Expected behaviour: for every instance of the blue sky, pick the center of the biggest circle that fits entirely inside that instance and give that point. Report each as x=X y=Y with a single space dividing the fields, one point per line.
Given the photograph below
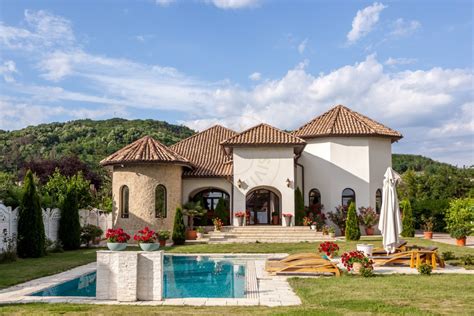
x=240 y=62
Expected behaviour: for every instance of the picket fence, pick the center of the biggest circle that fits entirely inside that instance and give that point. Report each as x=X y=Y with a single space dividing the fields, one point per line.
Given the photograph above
x=9 y=222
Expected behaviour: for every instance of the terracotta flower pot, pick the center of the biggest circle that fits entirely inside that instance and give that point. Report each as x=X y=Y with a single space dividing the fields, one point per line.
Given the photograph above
x=369 y=231
x=162 y=242
x=191 y=235
x=461 y=242
x=275 y=220
x=428 y=235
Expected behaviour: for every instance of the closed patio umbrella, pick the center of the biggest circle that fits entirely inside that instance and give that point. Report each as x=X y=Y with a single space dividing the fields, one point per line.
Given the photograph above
x=390 y=223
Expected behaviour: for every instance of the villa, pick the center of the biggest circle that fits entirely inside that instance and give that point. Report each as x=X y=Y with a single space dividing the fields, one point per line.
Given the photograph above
x=338 y=157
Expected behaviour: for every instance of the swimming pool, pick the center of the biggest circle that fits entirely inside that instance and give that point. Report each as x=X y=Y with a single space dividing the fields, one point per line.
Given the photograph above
x=183 y=277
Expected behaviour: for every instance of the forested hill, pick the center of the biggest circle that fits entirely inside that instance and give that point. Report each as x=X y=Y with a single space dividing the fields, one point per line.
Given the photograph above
x=90 y=140
x=93 y=140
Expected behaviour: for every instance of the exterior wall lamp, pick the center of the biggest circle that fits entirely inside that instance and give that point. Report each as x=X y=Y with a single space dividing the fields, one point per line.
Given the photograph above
x=239 y=183
x=288 y=182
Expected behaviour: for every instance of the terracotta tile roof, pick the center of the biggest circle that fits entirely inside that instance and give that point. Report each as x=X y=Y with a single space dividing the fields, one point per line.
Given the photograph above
x=263 y=134
x=342 y=121
x=145 y=150
x=205 y=152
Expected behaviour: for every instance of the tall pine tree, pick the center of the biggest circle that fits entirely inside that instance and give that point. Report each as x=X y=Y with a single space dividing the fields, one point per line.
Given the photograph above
x=222 y=211
x=408 y=222
x=179 y=230
x=299 y=207
x=69 y=226
x=31 y=237
x=352 y=223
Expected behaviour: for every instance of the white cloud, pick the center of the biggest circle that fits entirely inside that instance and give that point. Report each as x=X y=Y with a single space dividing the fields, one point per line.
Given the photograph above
x=400 y=61
x=364 y=21
x=404 y=28
x=256 y=76
x=7 y=70
x=234 y=4
x=302 y=46
x=164 y=3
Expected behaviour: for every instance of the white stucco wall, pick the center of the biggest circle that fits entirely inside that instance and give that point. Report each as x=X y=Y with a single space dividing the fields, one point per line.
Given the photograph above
x=334 y=163
x=265 y=167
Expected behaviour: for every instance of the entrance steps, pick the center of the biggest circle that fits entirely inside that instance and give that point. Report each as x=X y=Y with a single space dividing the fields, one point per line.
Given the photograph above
x=267 y=234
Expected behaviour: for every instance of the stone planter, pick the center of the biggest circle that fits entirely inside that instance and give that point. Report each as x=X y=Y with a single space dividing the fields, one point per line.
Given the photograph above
x=428 y=235
x=313 y=227
x=366 y=249
x=116 y=246
x=240 y=221
x=287 y=221
x=369 y=231
x=149 y=246
x=461 y=242
x=162 y=242
x=332 y=235
x=191 y=235
x=199 y=235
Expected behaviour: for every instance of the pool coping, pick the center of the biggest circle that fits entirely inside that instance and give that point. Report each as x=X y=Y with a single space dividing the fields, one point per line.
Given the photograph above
x=261 y=288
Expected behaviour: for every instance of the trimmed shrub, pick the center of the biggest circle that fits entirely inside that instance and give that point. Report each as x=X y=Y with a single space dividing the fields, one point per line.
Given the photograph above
x=425 y=269
x=69 y=232
x=179 y=230
x=222 y=211
x=299 y=207
x=352 y=223
x=31 y=238
x=408 y=222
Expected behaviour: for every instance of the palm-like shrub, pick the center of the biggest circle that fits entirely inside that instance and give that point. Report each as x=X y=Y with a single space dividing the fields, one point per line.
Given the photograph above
x=352 y=223
x=192 y=210
x=179 y=230
x=31 y=238
x=408 y=221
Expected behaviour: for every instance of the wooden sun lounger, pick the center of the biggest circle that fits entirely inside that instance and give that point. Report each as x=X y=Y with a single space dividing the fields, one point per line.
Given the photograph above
x=296 y=256
x=309 y=267
x=272 y=266
x=382 y=251
x=413 y=258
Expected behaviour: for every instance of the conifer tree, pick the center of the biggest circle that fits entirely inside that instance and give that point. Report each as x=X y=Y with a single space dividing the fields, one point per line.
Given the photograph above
x=299 y=207
x=179 y=230
x=408 y=222
x=352 y=223
x=222 y=211
x=31 y=237
x=69 y=226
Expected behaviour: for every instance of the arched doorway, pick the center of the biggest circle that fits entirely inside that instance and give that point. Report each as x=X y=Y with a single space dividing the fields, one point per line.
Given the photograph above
x=262 y=204
x=210 y=198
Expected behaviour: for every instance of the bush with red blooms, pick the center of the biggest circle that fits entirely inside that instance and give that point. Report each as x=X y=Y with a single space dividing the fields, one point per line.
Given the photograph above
x=145 y=236
x=329 y=248
x=349 y=258
x=240 y=214
x=117 y=236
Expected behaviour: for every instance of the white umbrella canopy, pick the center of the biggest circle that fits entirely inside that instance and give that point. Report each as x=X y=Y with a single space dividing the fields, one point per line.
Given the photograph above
x=390 y=223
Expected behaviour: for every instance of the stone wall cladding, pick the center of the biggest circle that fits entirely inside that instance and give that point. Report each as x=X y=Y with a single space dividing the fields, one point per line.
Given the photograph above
x=128 y=276
x=142 y=180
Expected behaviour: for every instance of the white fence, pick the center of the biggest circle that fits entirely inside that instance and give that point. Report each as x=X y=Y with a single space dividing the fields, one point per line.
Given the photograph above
x=9 y=222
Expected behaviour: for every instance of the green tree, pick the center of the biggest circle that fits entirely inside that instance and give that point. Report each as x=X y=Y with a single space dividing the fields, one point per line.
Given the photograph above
x=69 y=226
x=58 y=184
x=352 y=223
x=460 y=214
x=299 y=207
x=408 y=222
x=222 y=211
x=31 y=238
x=179 y=230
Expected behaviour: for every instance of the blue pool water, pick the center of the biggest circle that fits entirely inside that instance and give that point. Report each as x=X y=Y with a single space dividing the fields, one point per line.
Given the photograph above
x=183 y=276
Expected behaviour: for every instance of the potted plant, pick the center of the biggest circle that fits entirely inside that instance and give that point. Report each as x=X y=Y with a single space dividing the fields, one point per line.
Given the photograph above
x=339 y=218
x=427 y=226
x=275 y=218
x=240 y=218
x=329 y=249
x=460 y=233
x=163 y=236
x=307 y=221
x=90 y=233
x=319 y=220
x=217 y=222
x=355 y=261
x=146 y=239
x=287 y=217
x=332 y=232
x=117 y=239
x=192 y=210
x=199 y=232
x=368 y=218
x=314 y=226
x=325 y=230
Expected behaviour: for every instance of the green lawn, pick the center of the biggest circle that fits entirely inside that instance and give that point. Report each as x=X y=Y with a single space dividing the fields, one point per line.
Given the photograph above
x=394 y=295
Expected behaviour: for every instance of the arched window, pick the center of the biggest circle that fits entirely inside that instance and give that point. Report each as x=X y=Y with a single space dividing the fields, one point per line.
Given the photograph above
x=314 y=197
x=378 y=200
x=160 y=201
x=124 y=203
x=209 y=199
x=348 y=196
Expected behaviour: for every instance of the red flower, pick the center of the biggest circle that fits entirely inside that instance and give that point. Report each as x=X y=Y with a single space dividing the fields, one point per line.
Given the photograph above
x=328 y=247
x=145 y=236
x=117 y=235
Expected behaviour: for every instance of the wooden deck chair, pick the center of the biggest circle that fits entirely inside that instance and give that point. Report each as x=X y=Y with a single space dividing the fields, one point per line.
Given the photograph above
x=309 y=267
x=382 y=251
x=296 y=256
x=412 y=258
x=274 y=265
